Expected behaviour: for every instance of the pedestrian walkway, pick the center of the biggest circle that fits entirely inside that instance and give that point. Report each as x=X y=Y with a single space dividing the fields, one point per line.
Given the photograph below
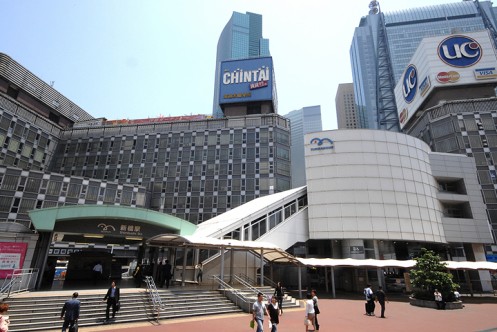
x=339 y=315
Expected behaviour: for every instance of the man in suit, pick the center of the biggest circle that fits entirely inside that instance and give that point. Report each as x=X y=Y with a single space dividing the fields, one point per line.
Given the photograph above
x=70 y=312
x=112 y=298
x=166 y=273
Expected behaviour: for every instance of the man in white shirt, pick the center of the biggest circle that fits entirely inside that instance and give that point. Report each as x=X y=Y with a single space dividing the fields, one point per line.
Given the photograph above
x=258 y=310
x=97 y=272
x=368 y=293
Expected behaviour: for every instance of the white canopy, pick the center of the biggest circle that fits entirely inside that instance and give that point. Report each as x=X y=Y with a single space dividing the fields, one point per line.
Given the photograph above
x=349 y=262
x=271 y=252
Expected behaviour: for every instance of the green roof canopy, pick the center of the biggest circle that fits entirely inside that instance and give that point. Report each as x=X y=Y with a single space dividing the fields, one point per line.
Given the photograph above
x=46 y=219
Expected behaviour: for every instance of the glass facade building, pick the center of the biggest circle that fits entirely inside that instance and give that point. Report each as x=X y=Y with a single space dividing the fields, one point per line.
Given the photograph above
x=241 y=38
x=384 y=43
x=303 y=121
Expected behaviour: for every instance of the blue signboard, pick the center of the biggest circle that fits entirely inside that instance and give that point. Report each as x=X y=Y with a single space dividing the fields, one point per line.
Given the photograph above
x=246 y=80
x=410 y=83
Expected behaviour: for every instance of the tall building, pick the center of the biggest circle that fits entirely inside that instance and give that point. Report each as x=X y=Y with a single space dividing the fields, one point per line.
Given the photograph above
x=303 y=121
x=383 y=44
x=241 y=38
x=347 y=115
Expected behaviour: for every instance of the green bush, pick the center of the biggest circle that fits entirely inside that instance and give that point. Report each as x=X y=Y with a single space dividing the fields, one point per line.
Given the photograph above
x=429 y=274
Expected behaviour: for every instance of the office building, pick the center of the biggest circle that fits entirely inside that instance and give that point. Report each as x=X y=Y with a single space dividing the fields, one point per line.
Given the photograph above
x=447 y=99
x=383 y=44
x=241 y=38
x=345 y=105
x=303 y=121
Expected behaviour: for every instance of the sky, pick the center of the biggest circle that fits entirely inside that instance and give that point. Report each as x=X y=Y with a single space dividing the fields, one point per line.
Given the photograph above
x=135 y=59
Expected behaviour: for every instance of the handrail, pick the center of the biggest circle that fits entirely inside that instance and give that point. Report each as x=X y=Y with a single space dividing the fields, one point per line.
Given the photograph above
x=20 y=280
x=269 y=282
x=239 y=299
x=154 y=295
x=247 y=285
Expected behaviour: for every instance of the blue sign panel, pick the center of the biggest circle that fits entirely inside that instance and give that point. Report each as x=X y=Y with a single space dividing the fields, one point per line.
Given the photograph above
x=246 y=80
x=410 y=83
x=459 y=51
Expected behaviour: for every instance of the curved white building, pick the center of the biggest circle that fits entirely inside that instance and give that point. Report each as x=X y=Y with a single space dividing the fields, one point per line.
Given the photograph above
x=371 y=185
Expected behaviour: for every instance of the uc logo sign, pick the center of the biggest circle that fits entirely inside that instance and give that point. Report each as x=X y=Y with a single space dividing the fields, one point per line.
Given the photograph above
x=459 y=51
x=410 y=83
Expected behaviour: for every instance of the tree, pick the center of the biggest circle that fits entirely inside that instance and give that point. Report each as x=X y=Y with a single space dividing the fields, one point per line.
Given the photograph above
x=429 y=274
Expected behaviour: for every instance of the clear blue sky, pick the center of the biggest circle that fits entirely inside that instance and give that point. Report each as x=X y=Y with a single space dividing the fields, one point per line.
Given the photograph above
x=137 y=59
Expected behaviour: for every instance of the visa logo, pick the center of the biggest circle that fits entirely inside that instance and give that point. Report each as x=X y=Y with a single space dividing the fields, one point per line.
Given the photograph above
x=485 y=73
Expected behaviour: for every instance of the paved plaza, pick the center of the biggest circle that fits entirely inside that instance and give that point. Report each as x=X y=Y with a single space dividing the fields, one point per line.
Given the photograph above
x=479 y=314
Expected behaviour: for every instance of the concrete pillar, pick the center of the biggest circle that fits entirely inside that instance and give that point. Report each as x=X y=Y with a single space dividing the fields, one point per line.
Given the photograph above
x=333 y=282
x=185 y=252
x=379 y=271
x=262 y=267
x=300 y=281
x=221 y=274
x=485 y=277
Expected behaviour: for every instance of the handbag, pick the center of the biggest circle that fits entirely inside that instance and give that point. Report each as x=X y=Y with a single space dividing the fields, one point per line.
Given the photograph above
x=307 y=322
x=316 y=310
x=73 y=327
x=118 y=306
x=270 y=325
x=252 y=324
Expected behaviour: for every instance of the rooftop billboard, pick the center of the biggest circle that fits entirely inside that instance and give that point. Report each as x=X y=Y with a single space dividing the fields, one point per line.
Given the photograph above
x=450 y=60
x=246 y=80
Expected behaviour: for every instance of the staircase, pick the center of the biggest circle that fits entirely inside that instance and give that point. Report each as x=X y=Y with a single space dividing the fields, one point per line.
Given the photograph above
x=43 y=313
x=288 y=301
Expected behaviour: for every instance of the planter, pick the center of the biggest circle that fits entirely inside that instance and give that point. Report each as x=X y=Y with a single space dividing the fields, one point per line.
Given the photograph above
x=432 y=304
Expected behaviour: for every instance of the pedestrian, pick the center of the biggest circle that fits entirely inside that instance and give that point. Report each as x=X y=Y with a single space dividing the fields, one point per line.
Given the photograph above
x=70 y=313
x=278 y=292
x=200 y=272
x=309 y=313
x=457 y=295
x=439 y=300
x=274 y=313
x=112 y=298
x=316 y=307
x=4 y=318
x=166 y=274
x=97 y=273
x=381 y=298
x=258 y=311
x=137 y=275
x=368 y=293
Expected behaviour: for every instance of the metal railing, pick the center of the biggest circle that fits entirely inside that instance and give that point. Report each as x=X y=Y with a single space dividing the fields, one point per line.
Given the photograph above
x=20 y=280
x=235 y=295
x=247 y=285
x=154 y=295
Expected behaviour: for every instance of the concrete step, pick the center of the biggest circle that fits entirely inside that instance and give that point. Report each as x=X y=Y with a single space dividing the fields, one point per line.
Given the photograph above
x=43 y=313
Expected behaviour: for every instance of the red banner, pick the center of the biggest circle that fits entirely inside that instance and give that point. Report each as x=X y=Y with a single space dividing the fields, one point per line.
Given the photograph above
x=12 y=256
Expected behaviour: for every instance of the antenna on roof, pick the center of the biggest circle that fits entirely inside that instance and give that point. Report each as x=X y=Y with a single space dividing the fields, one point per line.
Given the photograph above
x=52 y=83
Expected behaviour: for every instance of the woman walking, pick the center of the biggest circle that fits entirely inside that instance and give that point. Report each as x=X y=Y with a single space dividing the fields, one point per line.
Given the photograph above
x=4 y=318
x=274 y=314
x=309 y=313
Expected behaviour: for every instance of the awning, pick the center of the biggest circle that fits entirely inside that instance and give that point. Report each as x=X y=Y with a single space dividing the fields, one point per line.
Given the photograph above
x=378 y=263
x=350 y=262
x=271 y=252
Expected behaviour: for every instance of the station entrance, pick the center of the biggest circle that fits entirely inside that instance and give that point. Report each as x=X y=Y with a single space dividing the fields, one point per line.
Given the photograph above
x=87 y=246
